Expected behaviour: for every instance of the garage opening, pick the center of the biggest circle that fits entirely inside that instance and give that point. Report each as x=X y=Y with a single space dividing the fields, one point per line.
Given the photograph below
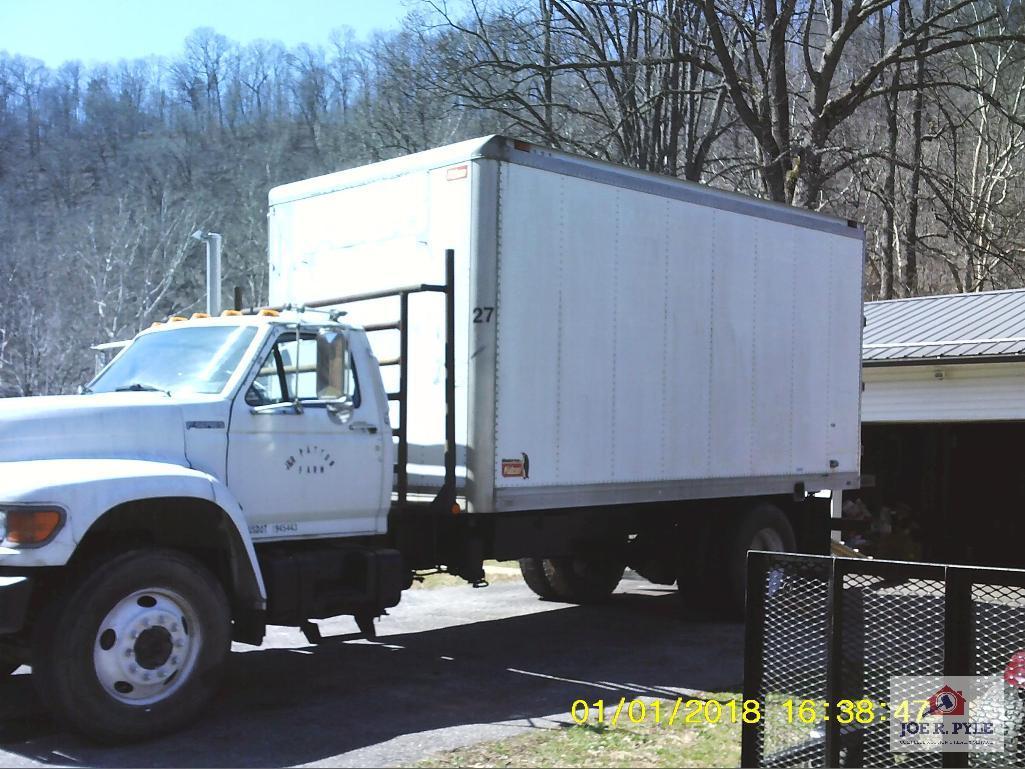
x=944 y=492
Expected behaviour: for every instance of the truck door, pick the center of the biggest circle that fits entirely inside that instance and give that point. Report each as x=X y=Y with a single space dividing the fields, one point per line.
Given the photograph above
x=310 y=470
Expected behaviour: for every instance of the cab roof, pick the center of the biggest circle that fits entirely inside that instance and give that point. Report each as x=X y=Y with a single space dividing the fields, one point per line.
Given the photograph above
x=282 y=318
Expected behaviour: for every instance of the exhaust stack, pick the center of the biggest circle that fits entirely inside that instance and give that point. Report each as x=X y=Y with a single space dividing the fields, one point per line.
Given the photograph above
x=213 y=270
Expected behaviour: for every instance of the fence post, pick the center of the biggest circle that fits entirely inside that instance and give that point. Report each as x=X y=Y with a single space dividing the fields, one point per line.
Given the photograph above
x=957 y=635
x=834 y=657
x=754 y=626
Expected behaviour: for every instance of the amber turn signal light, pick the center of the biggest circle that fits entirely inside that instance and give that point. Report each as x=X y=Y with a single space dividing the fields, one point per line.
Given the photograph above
x=31 y=527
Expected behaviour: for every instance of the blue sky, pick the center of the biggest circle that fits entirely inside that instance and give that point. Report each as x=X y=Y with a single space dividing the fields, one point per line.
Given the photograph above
x=108 y=30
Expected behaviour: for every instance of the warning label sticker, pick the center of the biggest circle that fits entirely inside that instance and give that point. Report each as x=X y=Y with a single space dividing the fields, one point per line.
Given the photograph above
x=516 y=468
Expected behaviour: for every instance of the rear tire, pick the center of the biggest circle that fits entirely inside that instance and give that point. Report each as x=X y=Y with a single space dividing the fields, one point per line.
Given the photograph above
x=533 y=572
x=137 y=649
x=580 y=579
x=765 y=527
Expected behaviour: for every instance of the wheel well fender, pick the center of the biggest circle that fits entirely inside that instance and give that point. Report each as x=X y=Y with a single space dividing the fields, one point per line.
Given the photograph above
x=208 y=529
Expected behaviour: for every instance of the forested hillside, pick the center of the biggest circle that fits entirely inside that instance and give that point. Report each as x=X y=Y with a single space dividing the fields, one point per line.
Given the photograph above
x=905 y=114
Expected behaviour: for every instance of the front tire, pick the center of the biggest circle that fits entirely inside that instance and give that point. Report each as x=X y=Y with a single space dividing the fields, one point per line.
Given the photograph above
x=137 y=650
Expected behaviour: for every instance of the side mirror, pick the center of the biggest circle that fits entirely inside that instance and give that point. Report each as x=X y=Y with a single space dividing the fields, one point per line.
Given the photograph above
x=332 y=368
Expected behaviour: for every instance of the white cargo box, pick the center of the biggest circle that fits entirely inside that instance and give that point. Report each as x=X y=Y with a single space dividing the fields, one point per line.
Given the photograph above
x=620 y=336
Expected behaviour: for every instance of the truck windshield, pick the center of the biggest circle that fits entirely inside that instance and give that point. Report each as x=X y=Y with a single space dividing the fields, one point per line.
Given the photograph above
x=200 y=359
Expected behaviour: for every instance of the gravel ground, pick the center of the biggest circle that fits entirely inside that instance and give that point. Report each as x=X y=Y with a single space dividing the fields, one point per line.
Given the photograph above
x=452 y=666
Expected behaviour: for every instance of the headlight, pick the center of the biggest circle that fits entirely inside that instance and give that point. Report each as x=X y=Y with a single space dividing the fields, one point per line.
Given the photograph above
x=22 y=526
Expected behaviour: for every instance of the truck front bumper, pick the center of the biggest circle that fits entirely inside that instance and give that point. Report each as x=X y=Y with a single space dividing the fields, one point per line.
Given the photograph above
x=14 y=597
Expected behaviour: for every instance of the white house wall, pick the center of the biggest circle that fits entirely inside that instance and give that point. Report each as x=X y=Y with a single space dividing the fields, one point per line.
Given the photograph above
x=965 y=392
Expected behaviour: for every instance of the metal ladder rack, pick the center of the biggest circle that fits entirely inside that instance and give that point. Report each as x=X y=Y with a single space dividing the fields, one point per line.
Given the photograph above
x=446 y=496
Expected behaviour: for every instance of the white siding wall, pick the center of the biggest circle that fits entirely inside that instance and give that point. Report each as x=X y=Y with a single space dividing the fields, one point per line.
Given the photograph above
x=966 y=392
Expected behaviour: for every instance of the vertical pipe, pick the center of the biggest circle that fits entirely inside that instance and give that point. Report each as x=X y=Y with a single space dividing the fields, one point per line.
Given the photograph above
x=450 y=374
x=213 y=274
x=238 y=298
x=403 y=397
x=836 y=514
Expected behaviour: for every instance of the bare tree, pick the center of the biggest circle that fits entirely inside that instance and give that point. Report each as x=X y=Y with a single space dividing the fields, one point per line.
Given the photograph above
x=630 y=82
x=906 y=114
x=824 y=48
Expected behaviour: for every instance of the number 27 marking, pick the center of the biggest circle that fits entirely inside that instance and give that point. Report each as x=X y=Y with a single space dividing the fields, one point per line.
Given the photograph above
x=483 y=314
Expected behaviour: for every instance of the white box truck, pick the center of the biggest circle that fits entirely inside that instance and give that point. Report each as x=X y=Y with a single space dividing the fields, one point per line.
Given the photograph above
x=487 y=350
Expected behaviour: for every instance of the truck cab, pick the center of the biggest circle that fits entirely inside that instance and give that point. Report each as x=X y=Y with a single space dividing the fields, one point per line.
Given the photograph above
x=197 y=454
x=277 y=412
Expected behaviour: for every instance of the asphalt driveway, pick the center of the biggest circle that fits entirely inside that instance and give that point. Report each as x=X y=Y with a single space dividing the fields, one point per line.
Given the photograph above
x=452 y=666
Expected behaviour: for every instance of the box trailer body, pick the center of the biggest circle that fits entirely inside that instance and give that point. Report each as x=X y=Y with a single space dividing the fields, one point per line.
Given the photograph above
x=621 y=337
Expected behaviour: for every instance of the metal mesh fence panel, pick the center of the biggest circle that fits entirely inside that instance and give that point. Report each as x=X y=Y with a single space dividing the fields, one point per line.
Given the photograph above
x=795 y=647
x=998 y=631
x=889 y=627
x=823 y=630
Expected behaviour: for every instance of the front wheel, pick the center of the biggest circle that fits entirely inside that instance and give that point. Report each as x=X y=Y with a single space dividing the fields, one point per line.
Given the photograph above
x=137 y=650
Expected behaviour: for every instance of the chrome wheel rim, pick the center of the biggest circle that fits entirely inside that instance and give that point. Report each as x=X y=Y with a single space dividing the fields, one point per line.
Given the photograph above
x=146 y=647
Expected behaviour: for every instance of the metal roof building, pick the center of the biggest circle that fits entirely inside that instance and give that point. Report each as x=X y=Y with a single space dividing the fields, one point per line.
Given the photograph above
x=989 y=324
x=954 y=358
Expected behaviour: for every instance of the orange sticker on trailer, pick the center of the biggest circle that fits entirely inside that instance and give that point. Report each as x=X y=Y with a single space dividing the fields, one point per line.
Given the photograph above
x=456 y=173
x=512 y=468
x=516 y=468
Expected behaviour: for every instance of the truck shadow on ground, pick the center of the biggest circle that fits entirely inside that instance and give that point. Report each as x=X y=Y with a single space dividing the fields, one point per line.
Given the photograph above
x=304 y=704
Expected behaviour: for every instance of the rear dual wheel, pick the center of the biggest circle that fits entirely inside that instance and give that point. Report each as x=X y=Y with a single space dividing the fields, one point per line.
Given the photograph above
x=137 y=649
x=533 y=571
x=714 y=583
x=574 y=579
x=764 y=527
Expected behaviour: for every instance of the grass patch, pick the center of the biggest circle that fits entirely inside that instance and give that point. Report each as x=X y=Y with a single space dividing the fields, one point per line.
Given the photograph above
x=598 y=745
x=494 y=571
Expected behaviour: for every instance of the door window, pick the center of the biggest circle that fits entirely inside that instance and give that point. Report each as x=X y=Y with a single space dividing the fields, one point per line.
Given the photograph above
x=291 y=367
